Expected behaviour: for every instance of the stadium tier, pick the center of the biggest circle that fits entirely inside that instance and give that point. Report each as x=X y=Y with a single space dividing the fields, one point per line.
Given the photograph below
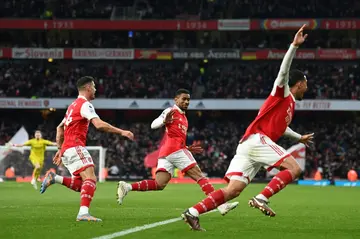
x=156 y=88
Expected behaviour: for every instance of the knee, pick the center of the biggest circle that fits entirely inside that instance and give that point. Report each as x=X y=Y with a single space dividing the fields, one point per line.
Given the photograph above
x=233 y=192
x=161 y=185
x=296 y=171
x=89 y=177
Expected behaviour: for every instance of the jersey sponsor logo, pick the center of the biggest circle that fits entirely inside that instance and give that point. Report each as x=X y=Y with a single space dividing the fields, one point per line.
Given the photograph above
x=183 y=128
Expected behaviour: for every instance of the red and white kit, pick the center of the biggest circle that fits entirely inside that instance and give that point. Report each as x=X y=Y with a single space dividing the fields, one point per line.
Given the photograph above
x=257 y=148
x=173 y=153
x=75 y=157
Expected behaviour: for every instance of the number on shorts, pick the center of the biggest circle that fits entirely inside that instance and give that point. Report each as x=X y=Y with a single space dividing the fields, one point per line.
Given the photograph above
x=68 y=119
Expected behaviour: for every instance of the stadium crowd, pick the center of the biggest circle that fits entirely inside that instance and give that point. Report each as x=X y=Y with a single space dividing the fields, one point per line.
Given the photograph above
x=162 y=9
x=173 y=40
x=335 y=149
x=160 y=80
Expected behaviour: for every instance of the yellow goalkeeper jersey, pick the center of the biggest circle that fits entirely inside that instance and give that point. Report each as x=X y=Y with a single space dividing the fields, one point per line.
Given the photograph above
x=38 y=147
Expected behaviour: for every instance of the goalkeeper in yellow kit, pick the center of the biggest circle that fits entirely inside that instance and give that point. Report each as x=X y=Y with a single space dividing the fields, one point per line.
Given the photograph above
x=37 y=154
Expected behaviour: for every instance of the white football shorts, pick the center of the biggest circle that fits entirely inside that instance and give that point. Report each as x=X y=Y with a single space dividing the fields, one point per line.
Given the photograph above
x=77 y=159
x=255 y=152
x=181 y=159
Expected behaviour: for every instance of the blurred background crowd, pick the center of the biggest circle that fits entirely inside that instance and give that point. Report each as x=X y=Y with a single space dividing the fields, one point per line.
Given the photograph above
x=335 y=150
x=235 y=80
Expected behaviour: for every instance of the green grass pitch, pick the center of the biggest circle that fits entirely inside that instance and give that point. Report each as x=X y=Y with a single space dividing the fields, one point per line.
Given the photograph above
x=302 y=212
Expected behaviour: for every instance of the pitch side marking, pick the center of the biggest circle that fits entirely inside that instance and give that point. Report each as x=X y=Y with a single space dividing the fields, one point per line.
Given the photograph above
x=141 y=228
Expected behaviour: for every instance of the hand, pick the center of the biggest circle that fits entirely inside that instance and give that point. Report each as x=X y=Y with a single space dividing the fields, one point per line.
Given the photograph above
x=57 y=158
x=307 y=139
x=300 y=37
x=169 y=117
x=128 y=134
x=195 y=149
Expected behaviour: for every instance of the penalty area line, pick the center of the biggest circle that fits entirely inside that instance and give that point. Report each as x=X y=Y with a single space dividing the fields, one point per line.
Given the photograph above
x=141 y=228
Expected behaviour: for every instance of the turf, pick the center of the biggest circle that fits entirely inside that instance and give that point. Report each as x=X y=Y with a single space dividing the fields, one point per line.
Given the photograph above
x=302 y=212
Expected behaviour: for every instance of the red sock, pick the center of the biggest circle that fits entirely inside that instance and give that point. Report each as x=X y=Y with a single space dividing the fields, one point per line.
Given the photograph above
x=145 y=185
x=87 y=192
x=73 y=183
x=277 y=183
x=205 y=185
x=213 y=200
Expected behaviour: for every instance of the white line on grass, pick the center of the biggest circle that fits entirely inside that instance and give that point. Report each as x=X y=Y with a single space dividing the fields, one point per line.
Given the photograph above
x=141 y=228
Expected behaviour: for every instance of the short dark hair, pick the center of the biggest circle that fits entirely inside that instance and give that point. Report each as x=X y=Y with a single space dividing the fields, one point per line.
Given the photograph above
x=295 y=76
x=83 y=81
x=182 y=91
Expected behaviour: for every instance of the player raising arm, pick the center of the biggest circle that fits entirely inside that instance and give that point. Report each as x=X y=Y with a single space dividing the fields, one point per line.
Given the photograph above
x=71 y=141
x=37 y=154
x=174 y=154
x=258 y=149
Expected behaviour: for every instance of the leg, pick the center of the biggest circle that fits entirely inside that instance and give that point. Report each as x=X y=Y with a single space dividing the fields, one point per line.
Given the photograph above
x=196 y=174
x=36 y=174
x=276 y=157
x=214 y=199
x=290 y=170
x=80 y=164
x=87 y=190
x=73 y=183
x=240 y=172
x=160 y=182
x=163 y=176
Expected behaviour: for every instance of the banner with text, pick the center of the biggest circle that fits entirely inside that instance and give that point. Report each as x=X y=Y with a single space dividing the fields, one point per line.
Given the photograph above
x=183 y=25
x=159 y=104
x=102 y=53
x=303 y=54
x=126 y=25
x=217 y=54
x=288 y=24
x=234 y=24
x=37 y=53
x=171 y=54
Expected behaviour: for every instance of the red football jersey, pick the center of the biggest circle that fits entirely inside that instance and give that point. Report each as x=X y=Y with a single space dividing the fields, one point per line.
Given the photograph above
x=175 y=135
x=76 y=123
x=278 y=109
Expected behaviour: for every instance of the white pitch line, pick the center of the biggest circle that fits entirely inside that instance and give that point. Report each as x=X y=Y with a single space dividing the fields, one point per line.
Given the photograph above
x=138 y=229
x=141 y=228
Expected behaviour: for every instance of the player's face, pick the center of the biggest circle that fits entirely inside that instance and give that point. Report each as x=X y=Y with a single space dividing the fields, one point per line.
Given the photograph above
x=302 y=88
x=92 y=90
x=182 y=101
x=38 y=135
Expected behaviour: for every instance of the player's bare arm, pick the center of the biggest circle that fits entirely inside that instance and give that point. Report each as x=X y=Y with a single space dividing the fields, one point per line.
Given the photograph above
x=305 y=139
x=283 y=75
x=59 y=142
x=60 y=135
x=18 y=145
x=106 y=127
x=195 y=149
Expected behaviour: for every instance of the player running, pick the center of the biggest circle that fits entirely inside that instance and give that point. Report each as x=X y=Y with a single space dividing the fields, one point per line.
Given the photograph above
x=37 y=154
x=174 y=154
x=258 y=149
x=71 y=140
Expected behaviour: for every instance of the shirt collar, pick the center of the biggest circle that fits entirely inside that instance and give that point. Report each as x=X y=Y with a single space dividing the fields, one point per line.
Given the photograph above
x=82 y=97
x=292 y=96
x=180 y=110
